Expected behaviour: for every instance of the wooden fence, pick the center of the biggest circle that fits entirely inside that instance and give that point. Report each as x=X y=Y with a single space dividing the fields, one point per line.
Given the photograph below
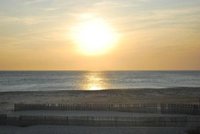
x=192 y=109
x=184 y=121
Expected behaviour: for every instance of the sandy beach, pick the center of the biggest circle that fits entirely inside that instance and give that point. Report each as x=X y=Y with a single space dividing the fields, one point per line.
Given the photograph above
x=90 y=130
x=121 y=96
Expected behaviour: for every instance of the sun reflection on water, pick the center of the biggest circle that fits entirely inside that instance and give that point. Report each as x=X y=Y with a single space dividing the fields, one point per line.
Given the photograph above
x=94 y=81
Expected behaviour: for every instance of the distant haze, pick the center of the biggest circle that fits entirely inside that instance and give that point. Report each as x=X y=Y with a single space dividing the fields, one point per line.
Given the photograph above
x=153 y=34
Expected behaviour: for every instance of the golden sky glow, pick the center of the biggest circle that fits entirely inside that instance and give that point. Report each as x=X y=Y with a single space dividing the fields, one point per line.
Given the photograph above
x=99 y=35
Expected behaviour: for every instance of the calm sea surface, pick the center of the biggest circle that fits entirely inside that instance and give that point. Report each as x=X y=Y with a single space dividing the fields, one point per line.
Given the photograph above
x=83 y=80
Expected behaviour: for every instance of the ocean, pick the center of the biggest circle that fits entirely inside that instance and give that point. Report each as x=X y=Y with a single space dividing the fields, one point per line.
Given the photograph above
x=95 y=80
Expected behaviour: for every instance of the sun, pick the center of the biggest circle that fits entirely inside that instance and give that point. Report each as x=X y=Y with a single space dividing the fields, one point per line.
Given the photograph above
x=93 y=36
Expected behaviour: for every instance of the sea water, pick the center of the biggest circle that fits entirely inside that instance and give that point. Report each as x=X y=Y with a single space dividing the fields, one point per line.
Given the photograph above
x=95 y=80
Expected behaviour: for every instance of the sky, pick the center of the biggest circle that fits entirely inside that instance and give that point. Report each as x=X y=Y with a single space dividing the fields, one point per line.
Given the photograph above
x=152 y=34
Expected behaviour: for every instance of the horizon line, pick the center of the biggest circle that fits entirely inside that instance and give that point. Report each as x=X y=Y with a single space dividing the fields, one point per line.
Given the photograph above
x=103 y=70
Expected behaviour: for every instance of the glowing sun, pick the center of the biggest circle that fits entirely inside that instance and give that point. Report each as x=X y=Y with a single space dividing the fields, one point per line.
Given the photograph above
x=94 y=36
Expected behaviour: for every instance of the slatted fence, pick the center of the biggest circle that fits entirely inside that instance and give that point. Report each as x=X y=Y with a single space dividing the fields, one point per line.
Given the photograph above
x=192 y=109
x=167 y=121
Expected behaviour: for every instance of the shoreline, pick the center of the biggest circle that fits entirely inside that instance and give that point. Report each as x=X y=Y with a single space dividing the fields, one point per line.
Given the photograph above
x=107 y=89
